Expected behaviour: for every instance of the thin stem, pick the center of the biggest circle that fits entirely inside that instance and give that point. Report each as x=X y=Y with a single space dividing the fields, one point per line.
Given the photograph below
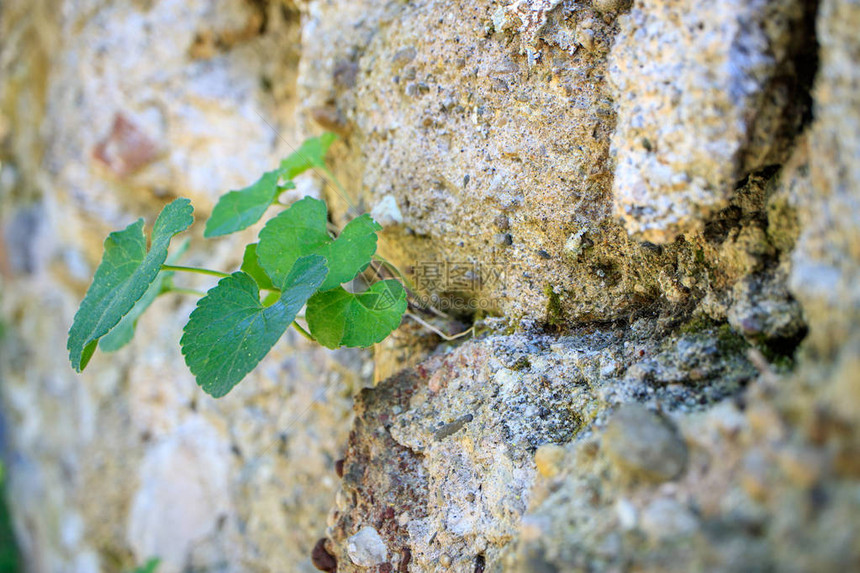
x=394 y=270
x=438 y=332
x=409 y=287
x=302 y=331
x=432 y=309
x=281 y=190
x=334 y=180
x=178 y=290
x=197 y=270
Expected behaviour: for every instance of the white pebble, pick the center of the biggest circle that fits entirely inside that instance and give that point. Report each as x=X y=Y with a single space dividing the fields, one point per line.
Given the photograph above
x=366 y=548
x=386 y=212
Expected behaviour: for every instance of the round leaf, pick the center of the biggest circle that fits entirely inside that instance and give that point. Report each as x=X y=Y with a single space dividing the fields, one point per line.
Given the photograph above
x=231 y=330
x=340 y=318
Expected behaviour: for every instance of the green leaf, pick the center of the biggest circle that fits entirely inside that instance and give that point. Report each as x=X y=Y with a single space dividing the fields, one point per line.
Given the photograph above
x=149 y=567
x=123 y=332
x=251 y=265
x=230 y=331
x=239 y=210
x=310 y=154
x=123 y=277
x=340 y=318
x=301 y=230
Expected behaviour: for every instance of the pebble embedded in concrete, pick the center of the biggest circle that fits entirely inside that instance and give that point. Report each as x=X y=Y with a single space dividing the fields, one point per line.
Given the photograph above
x=626 y=513
x=576 y=243
x=386 y=212
x=666 y=518
x=366 y=548
x=643 y=445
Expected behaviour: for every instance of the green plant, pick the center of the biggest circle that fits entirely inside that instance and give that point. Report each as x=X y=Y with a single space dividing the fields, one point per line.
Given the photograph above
x=10 y=560
x=149 y=567
x=296 y=263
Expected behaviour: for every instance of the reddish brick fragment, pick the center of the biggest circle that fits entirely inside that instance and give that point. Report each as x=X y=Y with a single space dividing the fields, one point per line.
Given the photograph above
x=126 y=148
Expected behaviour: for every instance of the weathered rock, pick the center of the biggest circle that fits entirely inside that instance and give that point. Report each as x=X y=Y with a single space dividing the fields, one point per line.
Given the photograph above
x=457 y=443
x=386 y=212
x=180 y=499
x=824 y=275
x=665 y=519
x=643 y=445
x=765 y=312
x=546 y=169
x=702 y=99
x=548 y=460
x=611 y=5
x=500 y=140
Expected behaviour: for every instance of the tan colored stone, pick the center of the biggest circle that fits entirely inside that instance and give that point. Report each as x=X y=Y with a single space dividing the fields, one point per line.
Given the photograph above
x=548 y=459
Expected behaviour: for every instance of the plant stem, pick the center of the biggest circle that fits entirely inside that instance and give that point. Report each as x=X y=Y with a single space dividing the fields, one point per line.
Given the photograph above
x=197 y=270
x=334 y=180
x=394 y=270
x=410 y=288
x=190 y=291
x=303 y=332
x=436 y=331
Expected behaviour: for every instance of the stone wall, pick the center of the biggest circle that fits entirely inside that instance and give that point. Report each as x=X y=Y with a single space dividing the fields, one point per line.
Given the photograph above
x=648 y=210
x=111 y=110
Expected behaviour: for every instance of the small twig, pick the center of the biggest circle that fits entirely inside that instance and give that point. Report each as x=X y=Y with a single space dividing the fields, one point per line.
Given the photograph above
x=436 y=331
x=410 y=290
x=392 y=268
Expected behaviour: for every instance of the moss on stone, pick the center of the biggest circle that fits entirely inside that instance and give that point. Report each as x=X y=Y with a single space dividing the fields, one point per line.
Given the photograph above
x=730 y=341
x=554 y=308
x=697 y=323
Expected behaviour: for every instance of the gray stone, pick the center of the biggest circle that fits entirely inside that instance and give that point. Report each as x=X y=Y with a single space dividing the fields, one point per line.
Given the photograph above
x=666 y=518
x=764 y=311
x=644 y=445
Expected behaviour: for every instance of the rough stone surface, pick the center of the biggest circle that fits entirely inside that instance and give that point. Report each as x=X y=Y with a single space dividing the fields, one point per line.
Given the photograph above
x=180 y=498
x=706 y=95
x=444 y=457
x=641 y=206
x=824 y=274
x=471 y=113
x=644 y=445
